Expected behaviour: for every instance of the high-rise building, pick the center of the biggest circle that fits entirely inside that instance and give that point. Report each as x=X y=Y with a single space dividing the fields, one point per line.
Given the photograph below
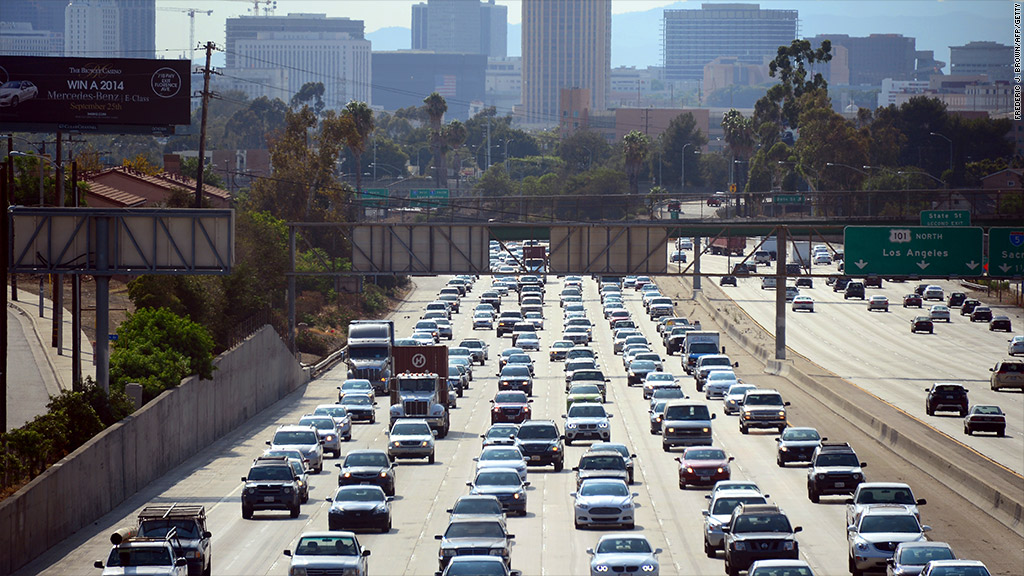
x=566 y=44
x=990 y=58
x=461 y=26
x=404 y=78
x=873 y=58
x=249 y=27
x=138 y=28
x=92 y=28
x=693 y=38
x=20 y=39
x=43 y=15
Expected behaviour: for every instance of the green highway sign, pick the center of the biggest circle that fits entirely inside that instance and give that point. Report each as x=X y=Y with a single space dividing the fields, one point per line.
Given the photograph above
x=428 y=198
x=788 y=199
x=945 y=218
x=1006 y=252
x=914 y=251
x=374 y=197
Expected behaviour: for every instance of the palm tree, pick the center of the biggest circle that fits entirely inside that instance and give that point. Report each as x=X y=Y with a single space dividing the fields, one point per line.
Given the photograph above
x=453 y=136
x=361 y=117
x=635 y=146
x=739 y=135
x=436 y=107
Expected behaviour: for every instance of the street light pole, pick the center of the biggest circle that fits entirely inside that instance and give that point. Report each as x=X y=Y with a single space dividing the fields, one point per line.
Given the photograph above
x=682 y=168
x=950 y=149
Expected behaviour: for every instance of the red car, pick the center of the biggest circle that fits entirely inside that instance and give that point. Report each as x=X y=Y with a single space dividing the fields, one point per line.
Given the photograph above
x=703 y=465
x=912 y=300
x=511 y=406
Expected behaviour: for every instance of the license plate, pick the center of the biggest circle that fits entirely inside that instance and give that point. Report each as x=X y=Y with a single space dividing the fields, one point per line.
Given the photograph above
x=364 y=483
x=534 y=457
x=840 y=484
x=268 y=498
x=705 y=478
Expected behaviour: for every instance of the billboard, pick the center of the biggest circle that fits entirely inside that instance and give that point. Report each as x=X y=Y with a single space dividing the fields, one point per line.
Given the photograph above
x=99 y=95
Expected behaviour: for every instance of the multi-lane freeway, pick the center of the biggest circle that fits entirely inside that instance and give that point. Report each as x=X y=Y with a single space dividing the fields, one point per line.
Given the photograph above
x=546 y=542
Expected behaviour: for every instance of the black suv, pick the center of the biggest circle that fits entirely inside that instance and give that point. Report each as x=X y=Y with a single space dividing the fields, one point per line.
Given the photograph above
x=956 y=299
x=270 y=485
x=758 y=532
x=541 y=443
x=854 y=290
x=946 y=397
x=834 y=470
x=368 y=467
x=968 y=305
x=873 y=281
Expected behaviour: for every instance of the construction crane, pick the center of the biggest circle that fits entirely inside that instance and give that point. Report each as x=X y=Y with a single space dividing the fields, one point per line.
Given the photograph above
x=192 y=25
x=268 y=6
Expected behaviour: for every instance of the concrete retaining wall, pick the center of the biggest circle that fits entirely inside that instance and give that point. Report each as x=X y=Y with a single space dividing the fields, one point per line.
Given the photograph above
x=114 y=465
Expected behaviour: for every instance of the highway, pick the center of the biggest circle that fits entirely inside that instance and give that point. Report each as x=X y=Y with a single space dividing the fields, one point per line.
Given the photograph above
x=545 y=543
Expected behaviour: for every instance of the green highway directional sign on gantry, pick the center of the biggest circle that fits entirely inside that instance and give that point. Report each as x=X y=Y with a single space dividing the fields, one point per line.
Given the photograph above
x=1006 y=252
x=914 y=251
x=788 y=199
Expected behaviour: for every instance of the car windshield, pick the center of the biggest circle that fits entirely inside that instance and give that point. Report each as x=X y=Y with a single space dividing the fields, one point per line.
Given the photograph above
x=275 y=473
x=763 y=399
x=703 y=348
x=510 y=398
x=327 y=546
x=520 y=371
x=921 y=555
x=411 y=429
x=476 y=505
x=739 y=390
x=987 y=410
x=584 y=389
x=761 y=523
x=459 y=352
x=604 y=489
x=890 y=523
x=706 y=362
x=183 y=528
x=705 y=454
x=800 y=434
x=844 y=460
x=886 y=496
x=660 y=377
x=560 y=344
x=538 y=433
x=332 y=411
x=368 y=352
x=641 y=365
x=669 y=393
x=318 y=423
x=659 y=407
x=948 y=389
x=357 y=400
x=140 y=556
x=474 y=530
x=359 y=494
x=620 y=448
x=694 y=412
x=782 y=571
x=725 y=506
x=721 y=375
x=474 y=567
x=498 y=478
x=623 y=546
x=296 y=437
x=364 y=459
x=502 y=431
x=504 y=454
x=602 y=463
x=587 y=411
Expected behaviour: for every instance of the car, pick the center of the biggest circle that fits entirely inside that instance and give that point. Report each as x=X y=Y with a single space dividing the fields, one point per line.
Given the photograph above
x=758 y=523
x=505 y=484
x=357 y=507
x=342 y=420
x=411 y=438
x=981 y=314
x=939 y=312
x=791 y=293
x=619 y=550
x=955 y=568
x=741 y=269
x=933 y=292
x=946 y=397
x=910 y=557
x=685 y=423
x=477 y=565
x=528 y=341
x=327 y=430
x=717 y=383
x=429 y=326
x=834 y=469
x=603 y=501
x=768 y=283
x=667 y=393
x=622 y=450
x=479 y=350
x=520 y=359
x=720 y=507
x=657 y=379
x=601 y=464
x=878 y=302
x=14 y=92
x=727 y=280
x=367 y=467
x=840 y=283
x=476 y=506
x=1015 y=346
x=733 y=399
x=328 y=552
x=298 y=465
x=854 y=289
x=796 y=444
x=985 y=418
x=516 y=377
x=708 y=362
x=305 y=439
x=803 y=303
x=780 y=568
x=502 y=457
x=870 y=494
x=500 y=435
x=657 y=414
x=506 y=354
x=474 y=536
x=537 y=318
x=482 y=321
x=271 y=484
x=510 y=406
x=360 y=407
x=1007 y=374
x=684 y=243
x=804 y=282
x=967 y=306
x=541 y=443
x=822 y=258
x=444 y=328
x=922 y=324
x=638 y=371
x=876 y=533
x=587 y=421
x=956 y=299
x=583 y=393
x=1001 y=323
x=912 y=300
x=703 y=465
x=357 y=386
x=678 y=256
x=763 y=408
x=559 y=349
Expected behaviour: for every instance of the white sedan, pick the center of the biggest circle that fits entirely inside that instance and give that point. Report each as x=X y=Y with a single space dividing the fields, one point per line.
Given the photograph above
x=1016 y=346
x=604 y=501
x=939 y=312
x=803 y=303
x=623 y=550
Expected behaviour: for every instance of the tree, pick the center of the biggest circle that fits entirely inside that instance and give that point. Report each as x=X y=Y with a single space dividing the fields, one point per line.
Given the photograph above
x=310 y=92
x=436 y=108
x=789 y=67
x=359 y=119
x=583 y=150
x=682 y=131
x=252 y=126
x=453 y=136
x=190 y=169
x=635 y=146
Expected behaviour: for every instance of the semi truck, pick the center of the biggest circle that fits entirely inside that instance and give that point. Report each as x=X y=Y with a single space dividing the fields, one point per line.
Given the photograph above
x=370 y=344
x=419 y=387
x=729 y=245
x=698 y=343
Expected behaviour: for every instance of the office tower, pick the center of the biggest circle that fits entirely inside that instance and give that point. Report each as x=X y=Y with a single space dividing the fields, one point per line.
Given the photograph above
x=693 y=38
x=249 y=27
x=401 y=79
x=566 y=44
x=92 y=28
x=460 y=26
x=991 y=58
x=872 y=58
x=20 y=39
x=137 y=19
x=43 y=15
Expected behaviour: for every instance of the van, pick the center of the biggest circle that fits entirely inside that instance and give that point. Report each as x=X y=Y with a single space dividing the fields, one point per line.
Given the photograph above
x=768 y=283
x=854 y=290
x=762 y=257
x=1007 y=374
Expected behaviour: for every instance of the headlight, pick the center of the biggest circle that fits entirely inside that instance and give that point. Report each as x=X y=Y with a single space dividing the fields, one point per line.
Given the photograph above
x=582 y=506
x=648 y=568
x=856 y=476
x=739 y=545
x=250 y=490
x=447 y=553
x=746 y=415
x=193 y=554
x=517 y=495
x=600 y=568
x=602 y=424
x=820 y=476
x=329 y=438
x=689 y=470
x=706 y=430
x=721 y=470
x=783 y=449
x=287 y=489
x=383 y=474
x=670 y=430
x=782 y=413
x=658 y=419
x=862 y=546
x=296 y=572
x=571 y=425
x=396 y=444
x=347 y=475
x=788 y=545
x=554 y=448
x=425 y=443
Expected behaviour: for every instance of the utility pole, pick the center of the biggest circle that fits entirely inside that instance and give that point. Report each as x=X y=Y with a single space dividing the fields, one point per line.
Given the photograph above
x=210 y=47
x=488 y=143
x=76 y=306
x=5 y=170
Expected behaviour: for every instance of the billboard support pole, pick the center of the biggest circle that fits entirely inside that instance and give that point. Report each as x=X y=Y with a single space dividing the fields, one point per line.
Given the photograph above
x=202 y=127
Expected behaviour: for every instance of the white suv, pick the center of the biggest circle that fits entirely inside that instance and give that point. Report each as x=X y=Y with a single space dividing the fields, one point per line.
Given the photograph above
x=305 y=439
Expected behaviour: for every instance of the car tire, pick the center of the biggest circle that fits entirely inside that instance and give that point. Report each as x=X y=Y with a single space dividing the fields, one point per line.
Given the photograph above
x=780 y=463
x=373 y=419
x=559 y=466
x=294 y=512
x=743 y=429
x=305 y=498
x=731 y=570
x=1001 y=432
x=682 y=485
x=664 y=447
x=577 y=525
x=430 y=459
x=568 y=442
x=928 y=410
x=813 y=496
x=386 y=528
x=708 y=550
x=967 y=430
x=854 y=570
x=630 y=526
x=246 y=513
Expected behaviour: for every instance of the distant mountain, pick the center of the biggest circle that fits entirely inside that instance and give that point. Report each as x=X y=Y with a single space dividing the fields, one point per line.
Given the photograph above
x=391 y=38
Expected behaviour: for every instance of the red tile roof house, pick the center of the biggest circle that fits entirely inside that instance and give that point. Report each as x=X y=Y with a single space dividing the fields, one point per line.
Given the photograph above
x=122 y=187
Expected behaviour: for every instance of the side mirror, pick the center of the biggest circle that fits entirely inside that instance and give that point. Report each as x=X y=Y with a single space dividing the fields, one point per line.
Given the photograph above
x=777 y=439
x=735 y=364
x=389 y=498
x=476 y=459
x=863 y=464
x=365 y=552
x=573 y=494
x=564 y=416
x=798 y=529
x=97 y=564
x=526 y=483
x=657 y=550
x=433 y=433
x=611 y=415
x=921 y=501
x=267 y=443
x=590 y=551
x=890 y=561
x=726 y=529
x=824 y=439
x=243 y=478
x=678 y=459
x=926 y=528
x=329 y=499
x=438 y=537
x=575 y=468
x=530 y=401
x=849 y=500
x=704 y=513
x=851 y=528
x=470 y=484
x=449 y=511
x=636 y=494
x=632 y=455
x=338 y=465
x=713 y=415
x=207 y=534
x=785 y=403
x=731 y=458
x=288 y=553
x=510 y=536
x=180 y=562
x=491 y=400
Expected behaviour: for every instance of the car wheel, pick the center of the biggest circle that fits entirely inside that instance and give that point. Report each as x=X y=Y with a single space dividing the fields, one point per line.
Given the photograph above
x=386 y=528
x=430 y=459
x=246 y=513
x=963 y=413
x=812 y=494
x=928 y=410
x=294 y=512
x=708 y=550
x=568 y=441
x=780 y=463
x=1001 y=432
x=664 y=447
x=577 y=525
x=629 y=526
x=854 y=570
x=559 y=466
x=967 y=430
x=682 y=485
x=373 y=419
x=731 y=570
x=743 y=429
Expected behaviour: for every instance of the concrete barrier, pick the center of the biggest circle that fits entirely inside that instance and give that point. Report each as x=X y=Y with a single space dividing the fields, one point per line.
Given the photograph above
x=114 y=465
